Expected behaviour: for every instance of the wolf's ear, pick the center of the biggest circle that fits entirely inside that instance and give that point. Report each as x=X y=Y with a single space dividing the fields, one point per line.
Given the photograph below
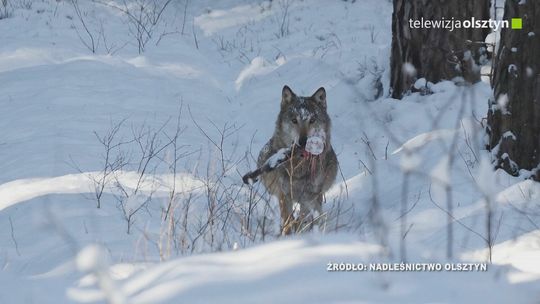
x=286 y=95
x=320 y=96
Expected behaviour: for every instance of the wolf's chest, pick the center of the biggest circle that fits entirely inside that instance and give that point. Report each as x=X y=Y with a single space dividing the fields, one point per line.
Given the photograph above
x=303 y=169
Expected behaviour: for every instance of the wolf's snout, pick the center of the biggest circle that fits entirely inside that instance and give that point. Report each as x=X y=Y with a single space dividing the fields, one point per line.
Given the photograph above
x=302 y=141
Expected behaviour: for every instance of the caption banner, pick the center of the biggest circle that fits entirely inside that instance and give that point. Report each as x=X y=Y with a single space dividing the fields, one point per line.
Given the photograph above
x=403 y=267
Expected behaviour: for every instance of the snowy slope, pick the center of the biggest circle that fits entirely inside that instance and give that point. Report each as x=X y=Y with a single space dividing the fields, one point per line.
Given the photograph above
x=221 y=69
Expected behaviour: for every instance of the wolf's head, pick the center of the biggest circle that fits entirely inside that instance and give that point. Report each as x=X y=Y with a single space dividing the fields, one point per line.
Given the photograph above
x=301 y=117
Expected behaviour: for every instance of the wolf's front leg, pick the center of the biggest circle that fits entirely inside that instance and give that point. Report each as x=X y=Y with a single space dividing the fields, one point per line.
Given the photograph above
x=311 y=214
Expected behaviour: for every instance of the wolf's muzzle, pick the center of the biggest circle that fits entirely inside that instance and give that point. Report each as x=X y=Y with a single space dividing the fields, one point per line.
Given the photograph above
x=302 y=142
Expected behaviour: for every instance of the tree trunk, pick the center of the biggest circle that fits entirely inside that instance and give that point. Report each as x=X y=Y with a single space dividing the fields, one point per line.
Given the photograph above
x=435 y=53
x=514 y=114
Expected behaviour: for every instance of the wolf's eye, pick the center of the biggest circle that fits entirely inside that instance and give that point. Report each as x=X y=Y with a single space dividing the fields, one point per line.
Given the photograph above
x=312 y=120
x=294 y=121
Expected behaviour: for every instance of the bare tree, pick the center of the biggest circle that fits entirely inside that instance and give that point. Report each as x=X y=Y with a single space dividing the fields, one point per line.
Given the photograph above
x=144 y=16
x=113 y=160
x=150 y=147
x=4 y=10
x=283 y=18
x=514 y=114
x=435 y=53
x=88 y=37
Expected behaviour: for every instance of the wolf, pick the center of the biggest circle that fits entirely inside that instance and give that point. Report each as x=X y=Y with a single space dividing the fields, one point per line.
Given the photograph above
x=302 y=180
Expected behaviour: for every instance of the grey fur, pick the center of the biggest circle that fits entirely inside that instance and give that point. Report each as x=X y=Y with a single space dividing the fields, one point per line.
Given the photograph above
x=311 y=176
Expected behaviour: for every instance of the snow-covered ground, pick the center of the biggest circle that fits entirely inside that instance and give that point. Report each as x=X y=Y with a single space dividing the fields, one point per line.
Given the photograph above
x=213 y=71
